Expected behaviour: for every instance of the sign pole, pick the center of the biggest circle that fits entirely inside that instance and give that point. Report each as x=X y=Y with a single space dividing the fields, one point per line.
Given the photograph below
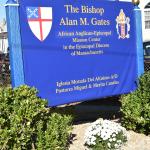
x=139 y=41
x=14 y=39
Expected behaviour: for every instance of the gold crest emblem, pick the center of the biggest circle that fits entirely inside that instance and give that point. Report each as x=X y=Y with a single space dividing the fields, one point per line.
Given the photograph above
x=123 y=25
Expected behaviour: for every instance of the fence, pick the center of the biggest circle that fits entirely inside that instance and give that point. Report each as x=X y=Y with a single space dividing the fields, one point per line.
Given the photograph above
x=147 y=65
x=4 y=70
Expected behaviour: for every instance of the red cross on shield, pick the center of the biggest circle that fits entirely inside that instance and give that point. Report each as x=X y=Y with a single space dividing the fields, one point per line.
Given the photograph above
x=40 y=21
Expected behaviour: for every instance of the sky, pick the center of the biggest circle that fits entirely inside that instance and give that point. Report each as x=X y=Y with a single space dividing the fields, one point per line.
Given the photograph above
x=2 y=9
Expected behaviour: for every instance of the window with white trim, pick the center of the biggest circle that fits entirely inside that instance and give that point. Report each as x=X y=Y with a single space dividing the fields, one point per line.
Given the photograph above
x=147 y=16
x=147 y=19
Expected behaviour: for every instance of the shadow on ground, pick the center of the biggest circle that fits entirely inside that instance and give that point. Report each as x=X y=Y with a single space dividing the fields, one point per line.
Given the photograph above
x=106 y=108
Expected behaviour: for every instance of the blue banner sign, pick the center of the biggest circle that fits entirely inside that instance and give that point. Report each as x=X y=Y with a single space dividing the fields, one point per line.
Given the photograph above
x=78 y=50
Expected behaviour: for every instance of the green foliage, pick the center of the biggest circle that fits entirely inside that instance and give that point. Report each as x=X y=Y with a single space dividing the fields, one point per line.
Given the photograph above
x=104 y=144
x=136 y=107
x=56 y=135
x=26 y=123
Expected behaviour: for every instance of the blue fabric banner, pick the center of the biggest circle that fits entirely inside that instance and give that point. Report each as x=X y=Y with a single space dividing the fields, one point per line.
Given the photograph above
x=78 y=50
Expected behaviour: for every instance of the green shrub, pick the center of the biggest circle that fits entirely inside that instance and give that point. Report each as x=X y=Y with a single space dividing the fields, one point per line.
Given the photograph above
x=136 y=107
x=26 y=123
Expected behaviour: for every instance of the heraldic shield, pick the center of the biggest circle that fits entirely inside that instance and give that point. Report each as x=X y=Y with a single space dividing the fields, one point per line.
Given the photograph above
x=123 y=25
x=40 y=21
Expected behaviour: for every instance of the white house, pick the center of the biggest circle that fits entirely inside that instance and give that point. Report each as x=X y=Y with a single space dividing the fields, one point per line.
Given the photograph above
x=145 y=9
x=3 y=38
